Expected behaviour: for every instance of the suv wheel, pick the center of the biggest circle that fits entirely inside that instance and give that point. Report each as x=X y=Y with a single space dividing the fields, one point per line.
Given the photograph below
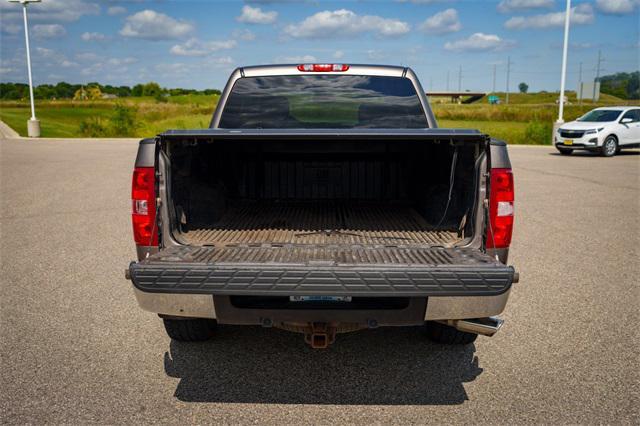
x=565 y=151
x=190 y=330
x=609 y=147
x=447 y=335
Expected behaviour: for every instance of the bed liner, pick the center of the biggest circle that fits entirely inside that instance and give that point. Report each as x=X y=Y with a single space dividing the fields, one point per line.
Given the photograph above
x=318 y=223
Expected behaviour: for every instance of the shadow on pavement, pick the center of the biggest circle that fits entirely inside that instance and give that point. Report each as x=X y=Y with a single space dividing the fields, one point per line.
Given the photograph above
x=385 y=366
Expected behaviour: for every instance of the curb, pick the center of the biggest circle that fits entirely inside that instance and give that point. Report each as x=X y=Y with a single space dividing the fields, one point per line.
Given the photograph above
x=7 y=132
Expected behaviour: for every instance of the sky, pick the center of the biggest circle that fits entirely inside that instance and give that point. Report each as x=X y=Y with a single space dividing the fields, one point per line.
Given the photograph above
x=197 y=44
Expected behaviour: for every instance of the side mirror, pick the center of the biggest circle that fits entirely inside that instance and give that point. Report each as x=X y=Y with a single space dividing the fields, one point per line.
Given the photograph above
x=626 y=120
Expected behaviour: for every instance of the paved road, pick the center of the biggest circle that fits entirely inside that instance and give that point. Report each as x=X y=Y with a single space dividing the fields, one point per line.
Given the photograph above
x=76 y=349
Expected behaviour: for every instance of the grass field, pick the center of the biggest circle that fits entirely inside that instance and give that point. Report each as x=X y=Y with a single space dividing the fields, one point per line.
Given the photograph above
x=526 y=120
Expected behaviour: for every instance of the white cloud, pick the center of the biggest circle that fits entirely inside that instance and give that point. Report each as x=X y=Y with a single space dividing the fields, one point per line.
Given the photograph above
x=244 y=35
x=91 y=70
x=152 y=25
x=375 y=54
x=116 y=10
x=195 y=47
x=11 y=29
x=121 y=61
x=617 y=7
x=48 y=31
x=45 y=53
x=87 y=56
x=68 y=64
x=338 y=54
x=443 y=22
x=49 y=57
x=342 y=23
x=51 y=11
x=508 y=6
x=580 y=15
x=93 y=37
x=179 y=69
x=295 y=59
x=223 y=61
x=255 y=15
x=479 y=42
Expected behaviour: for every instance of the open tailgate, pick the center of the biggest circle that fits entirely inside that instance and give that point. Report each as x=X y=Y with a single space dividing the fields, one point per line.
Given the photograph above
x=299 y=270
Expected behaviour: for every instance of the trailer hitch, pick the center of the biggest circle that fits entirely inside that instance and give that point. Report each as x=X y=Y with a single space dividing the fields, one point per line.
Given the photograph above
x=320 y=335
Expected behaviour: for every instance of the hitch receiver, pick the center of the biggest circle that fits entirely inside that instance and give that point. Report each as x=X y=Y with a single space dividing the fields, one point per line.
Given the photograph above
x=320 y=335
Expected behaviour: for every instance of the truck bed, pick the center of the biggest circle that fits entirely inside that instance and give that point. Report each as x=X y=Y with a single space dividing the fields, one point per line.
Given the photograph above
x=318 y=223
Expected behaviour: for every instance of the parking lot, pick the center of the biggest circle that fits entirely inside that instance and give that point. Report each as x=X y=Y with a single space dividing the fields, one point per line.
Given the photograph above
x=75 y=347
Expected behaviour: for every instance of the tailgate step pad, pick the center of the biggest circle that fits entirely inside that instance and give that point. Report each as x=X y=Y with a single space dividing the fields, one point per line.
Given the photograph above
x=322 y=270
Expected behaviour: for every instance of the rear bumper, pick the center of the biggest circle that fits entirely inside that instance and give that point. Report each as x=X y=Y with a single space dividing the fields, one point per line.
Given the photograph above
x=204 y=306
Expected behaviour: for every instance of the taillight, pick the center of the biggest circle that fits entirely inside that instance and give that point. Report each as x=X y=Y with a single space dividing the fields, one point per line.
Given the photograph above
x=323 y=67
x=143 y=206
x=500 y=209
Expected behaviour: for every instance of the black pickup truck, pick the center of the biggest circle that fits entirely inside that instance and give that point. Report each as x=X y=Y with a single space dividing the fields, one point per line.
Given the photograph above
x=323 y=199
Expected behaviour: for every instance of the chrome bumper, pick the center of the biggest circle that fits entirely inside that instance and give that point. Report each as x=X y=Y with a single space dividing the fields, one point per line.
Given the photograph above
x=438 y=308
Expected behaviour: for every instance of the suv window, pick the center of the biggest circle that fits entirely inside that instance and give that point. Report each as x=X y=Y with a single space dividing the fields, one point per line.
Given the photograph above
x=601 y=115
x=323 y=101
x=634 y=114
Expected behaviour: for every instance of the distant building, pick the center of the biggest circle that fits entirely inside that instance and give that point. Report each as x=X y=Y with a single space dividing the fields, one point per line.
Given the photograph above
x=109 y=96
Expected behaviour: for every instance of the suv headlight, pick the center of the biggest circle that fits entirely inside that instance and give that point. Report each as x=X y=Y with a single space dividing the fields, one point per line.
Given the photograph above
x=593 y=131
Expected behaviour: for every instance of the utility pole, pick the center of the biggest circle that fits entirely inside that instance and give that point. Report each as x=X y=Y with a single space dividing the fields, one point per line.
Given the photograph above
x=580 y=85
x=494 y=79
x=508 y=76
x=447 y=80
x=595 y=81
x=563 y=76
x=33 y=125
x=460 y=79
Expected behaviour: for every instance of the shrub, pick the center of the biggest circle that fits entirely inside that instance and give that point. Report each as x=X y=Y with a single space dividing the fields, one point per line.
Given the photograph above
x=538 y=133
x=94 y=127
x=123 y=122
x=160 y=97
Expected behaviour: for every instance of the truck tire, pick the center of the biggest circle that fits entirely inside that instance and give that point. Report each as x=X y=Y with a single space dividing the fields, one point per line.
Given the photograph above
x=447 y=335
x=190 y=330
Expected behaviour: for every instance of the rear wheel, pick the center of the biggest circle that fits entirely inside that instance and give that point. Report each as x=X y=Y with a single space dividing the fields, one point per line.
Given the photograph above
x=565 y=151
x=190 y=330
x=447 y=335
x=609 y=147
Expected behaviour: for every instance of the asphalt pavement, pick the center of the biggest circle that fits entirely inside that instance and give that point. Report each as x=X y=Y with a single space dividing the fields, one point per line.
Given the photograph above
x=75 y=347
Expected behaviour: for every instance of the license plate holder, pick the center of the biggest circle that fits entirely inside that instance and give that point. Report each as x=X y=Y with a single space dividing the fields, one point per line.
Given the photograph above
x=344 y=299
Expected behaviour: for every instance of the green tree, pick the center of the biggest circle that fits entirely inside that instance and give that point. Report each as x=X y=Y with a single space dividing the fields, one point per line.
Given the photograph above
x=523 y=87
x=137 y=90
x=151 y=89
x=622 y=85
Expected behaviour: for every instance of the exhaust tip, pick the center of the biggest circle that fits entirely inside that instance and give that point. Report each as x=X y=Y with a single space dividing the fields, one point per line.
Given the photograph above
x=484 y=326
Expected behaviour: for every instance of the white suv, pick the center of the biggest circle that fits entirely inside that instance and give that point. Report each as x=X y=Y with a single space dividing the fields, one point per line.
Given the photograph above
x=606 y=130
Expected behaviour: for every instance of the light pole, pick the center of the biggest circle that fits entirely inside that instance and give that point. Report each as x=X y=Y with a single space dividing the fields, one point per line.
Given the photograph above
x=33 y=125
x=563 y=77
